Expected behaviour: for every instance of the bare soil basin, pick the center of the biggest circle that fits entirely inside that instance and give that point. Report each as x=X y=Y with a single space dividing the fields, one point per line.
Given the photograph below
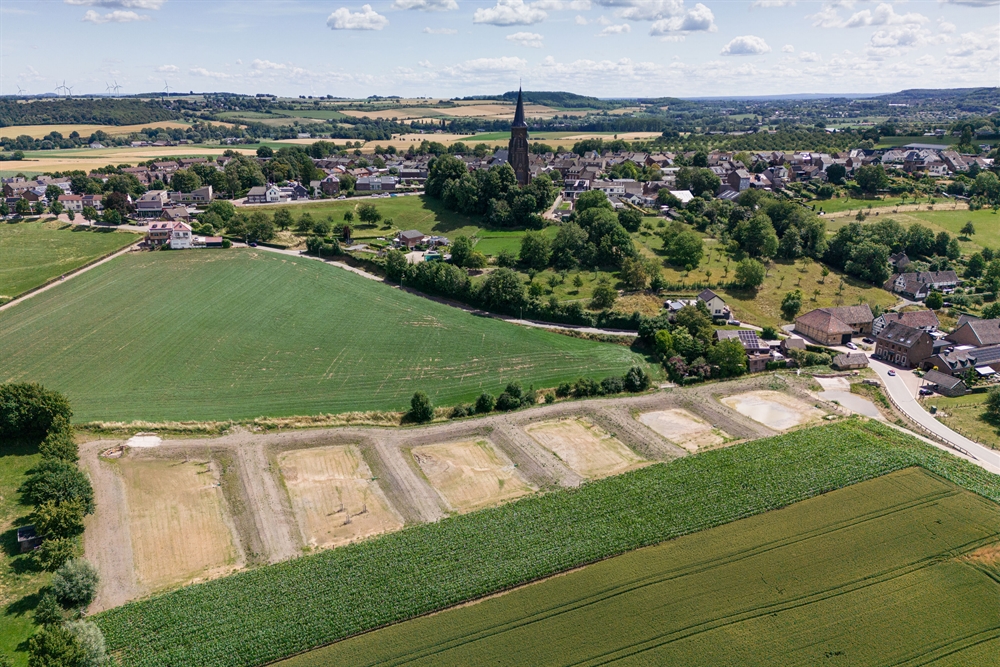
x=334 y=497
x=683 y=428
x=470 y=475
x=585 y=448
x=774 y=409
x=180 y=528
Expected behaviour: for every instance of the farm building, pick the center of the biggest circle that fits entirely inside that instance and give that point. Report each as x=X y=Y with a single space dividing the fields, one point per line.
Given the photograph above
x=918 y=319
x=835 y=326
x=946 y=385
x=903 y=345
x=978 y=333
x=851 y=361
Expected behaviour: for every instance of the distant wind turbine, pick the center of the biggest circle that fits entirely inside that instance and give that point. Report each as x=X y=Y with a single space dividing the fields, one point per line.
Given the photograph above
x=117 y=88
x=166 y=87
x=21 y=91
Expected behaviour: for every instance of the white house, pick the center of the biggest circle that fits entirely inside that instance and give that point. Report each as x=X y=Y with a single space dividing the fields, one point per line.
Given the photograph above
x=180 y=236
x=264 y=195
x=716 y=306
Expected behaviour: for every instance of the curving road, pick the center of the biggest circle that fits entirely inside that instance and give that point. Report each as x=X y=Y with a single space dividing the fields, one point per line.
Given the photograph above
x=902 y=392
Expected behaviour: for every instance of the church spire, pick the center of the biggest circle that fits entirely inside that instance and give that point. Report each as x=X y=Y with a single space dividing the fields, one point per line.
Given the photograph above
x=519 y=112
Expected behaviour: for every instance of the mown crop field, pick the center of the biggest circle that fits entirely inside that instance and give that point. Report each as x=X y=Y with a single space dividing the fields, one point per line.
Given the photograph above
x=216 y=335
x=275 y=611
x=884 y=572
x=32 y=253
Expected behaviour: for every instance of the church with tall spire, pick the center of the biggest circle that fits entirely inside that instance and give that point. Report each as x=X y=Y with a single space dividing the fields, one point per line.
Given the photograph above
x=517 y=149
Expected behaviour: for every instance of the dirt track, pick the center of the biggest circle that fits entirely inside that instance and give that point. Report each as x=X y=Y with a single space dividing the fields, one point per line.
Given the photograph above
x=264 y=523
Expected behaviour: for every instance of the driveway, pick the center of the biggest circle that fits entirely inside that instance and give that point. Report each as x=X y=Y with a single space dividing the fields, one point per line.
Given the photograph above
x=902 y=389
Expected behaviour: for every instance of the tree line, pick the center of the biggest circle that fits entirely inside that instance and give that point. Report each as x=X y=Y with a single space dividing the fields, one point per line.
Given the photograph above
x=61 y=496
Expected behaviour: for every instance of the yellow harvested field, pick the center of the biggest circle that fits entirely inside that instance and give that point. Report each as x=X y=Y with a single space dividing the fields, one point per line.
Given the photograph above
x=178 y=521
x=774 y=409
x=86 y=159
x=684 y=429
x=39 y=131
x=333 y=496
x=585 y=448
x=626 y=136
x=470 y=475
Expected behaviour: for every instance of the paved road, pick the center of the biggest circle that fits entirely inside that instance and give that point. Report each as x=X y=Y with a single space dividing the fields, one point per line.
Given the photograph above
x=902 y=392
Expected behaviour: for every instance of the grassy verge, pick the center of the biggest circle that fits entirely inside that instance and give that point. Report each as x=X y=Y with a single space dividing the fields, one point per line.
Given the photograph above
x=965 y=414
x=272 y=612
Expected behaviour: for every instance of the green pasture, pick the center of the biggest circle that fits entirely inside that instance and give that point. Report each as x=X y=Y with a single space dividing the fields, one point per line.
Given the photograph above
x=20 y=580
x=317 y=114
x=420 y=212
x=215 y=335
x=32 y=253
x=836 y=205
x=873 y=574
x=942 y=218
x=861 y=571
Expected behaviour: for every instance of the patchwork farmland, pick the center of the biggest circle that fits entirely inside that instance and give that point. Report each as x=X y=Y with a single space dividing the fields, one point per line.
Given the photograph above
x=896 y=570
x=912 y=543
x=240 y=334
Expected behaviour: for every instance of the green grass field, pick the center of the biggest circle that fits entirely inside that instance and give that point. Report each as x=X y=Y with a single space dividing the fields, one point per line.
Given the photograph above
x=419 y=212
x=32 y=253
x=965 y=414
x=214 y=335
x=943 y=218
x=873 y=574
x=19 y=580
x=273 y=612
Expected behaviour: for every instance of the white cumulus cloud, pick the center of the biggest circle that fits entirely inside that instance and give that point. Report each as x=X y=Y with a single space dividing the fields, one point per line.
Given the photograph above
x=440 y=31
x=746 y=45
x=809 y=57
x=973 y=3
x=366 y=19
x=884 y=14
x=264 y=65
x=615 y=30
x=580 y=20
x=425 y=63
x=426 y=5
x=168 y=68
x=771 y=3
x=201 y=71
x=557 y=5
x=531 y=39
x=117 y=16
x=697 y=19
x=509 y=12
x=788 y=48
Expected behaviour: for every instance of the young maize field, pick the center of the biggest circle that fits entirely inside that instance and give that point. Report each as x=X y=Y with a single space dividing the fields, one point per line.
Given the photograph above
x=882 y=572
x=276 y=611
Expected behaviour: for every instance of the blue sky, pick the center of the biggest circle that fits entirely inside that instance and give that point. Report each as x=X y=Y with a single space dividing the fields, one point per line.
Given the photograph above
x=462 y=47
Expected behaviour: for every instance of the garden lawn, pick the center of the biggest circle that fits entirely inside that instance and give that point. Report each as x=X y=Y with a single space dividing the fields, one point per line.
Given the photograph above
x=32 y=253
x=855 y=573
x=19 y=580
x=216 y=335
x=274 y=611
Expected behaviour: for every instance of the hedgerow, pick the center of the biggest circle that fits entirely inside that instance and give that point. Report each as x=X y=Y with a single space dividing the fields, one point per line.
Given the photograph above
x=274 y=611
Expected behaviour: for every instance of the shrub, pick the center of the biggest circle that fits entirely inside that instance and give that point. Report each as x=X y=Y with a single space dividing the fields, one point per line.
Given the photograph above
x=564 y=390
x=612 y=385
x=550 y=398
x=458 y=412
x=53 y=553
x=586 y=387
x=421 y=409
x=485 y=403
x=54 y=520
x=58 y=481
x=59 y=443
x=75 y=583
x=507 y=402
x=91 y=641
x=54 y=646
x=636 y=380
x=769 y=333
x=48 y=611
x=28 y=410
x=604 y=296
